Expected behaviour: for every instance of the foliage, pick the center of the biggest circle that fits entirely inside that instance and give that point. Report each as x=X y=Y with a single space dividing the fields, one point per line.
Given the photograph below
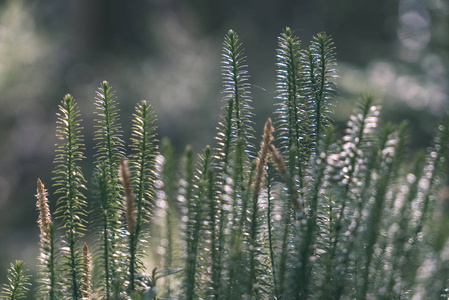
x=18 y=283
x=106 y=205
x=310 y=215
x=70 y=183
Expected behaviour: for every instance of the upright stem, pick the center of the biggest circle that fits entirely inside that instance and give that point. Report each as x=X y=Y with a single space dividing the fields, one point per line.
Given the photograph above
x=270 y=234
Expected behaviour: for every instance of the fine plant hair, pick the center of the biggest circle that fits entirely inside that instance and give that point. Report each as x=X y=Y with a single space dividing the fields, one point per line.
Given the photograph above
x=307 y=215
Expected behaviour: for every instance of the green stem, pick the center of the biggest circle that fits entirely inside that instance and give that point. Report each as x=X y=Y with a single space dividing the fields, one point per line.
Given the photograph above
x=52 y=263
x=72 y=213
x=106 y=253
x=284 y=249
x=270 y=234
x=132 y=259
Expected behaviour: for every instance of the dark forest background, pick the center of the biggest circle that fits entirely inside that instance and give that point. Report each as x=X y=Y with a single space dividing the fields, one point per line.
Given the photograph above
x=168 y=52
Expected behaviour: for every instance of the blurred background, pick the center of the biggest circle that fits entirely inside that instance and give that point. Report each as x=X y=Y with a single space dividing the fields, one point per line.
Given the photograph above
x=168 y=52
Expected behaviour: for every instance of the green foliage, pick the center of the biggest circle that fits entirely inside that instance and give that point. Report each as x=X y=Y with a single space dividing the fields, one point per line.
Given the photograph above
x=69 y=183
x=166 y=200
x=294 y=123
x=107 y=204
x=17 y=284
x=319 y=87
x=310 y=216
x=110 y=146
x=143 y=146
x=236 y=90
x=196 y=215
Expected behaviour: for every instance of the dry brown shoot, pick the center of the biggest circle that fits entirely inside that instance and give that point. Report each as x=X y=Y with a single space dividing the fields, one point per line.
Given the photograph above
x=44 y=218
x=262 y=157
x=130 y=211
x=281 y=167
x=86 y=286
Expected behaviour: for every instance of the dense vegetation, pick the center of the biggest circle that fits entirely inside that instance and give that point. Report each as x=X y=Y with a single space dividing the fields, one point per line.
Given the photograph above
x=305 y=215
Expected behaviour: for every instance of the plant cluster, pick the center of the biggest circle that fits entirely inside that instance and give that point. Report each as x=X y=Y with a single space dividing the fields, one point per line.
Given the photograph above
x=307 y=215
